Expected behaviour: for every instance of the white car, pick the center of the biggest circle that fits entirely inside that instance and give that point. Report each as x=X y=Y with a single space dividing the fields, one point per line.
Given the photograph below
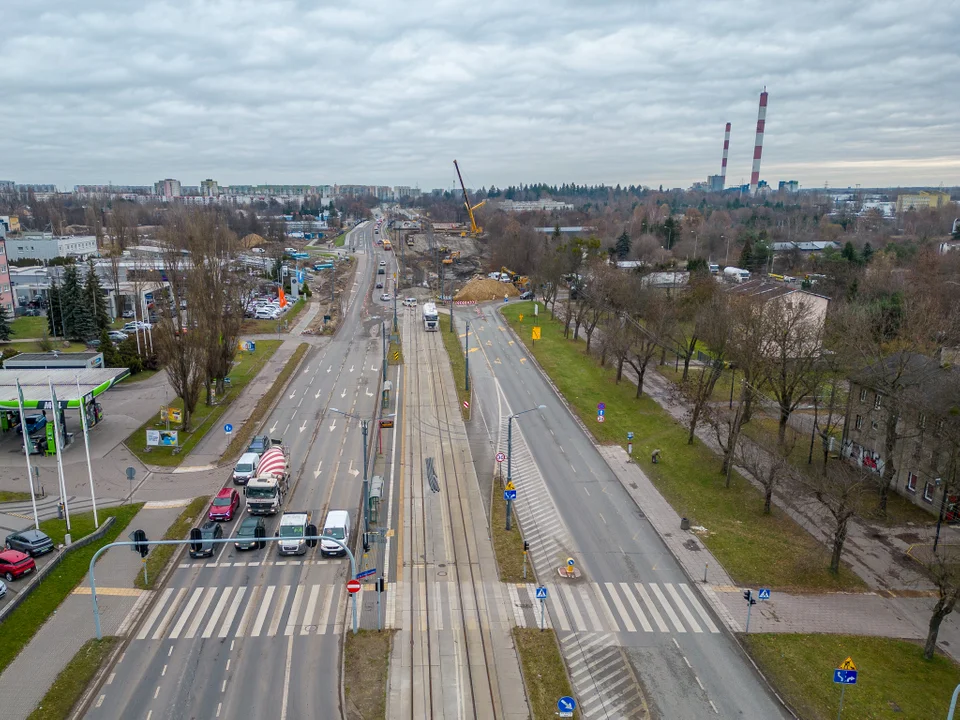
x=383 y=263
x=410 y=302
x=138 y=325
x=386 y=297
x=258 y=251
x=266 y=314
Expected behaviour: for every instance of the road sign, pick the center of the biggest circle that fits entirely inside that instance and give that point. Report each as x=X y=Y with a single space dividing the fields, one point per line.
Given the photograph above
x=353 y=586
x=845 y=677
x=501 y=457
x=396 y=355
x=566 y=705
x=131 y=473
x=541 y=593
x=510 y=485
x=601 y=407
x=601 y=412
x=536 y=332
x=228 y=428
x=366 y=573
x=629 y=436
x=466 y=405
x=600 y=418
x=509 y=494
x=570 y=562
x=521 y=317
x=763 y=593
x=847 y=665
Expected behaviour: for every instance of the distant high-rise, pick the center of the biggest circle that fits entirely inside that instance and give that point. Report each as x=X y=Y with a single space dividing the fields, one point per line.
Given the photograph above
x=758 y=145
x=723 y=163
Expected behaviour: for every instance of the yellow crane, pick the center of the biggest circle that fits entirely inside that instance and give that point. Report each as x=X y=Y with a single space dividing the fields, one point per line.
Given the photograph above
x=474 y=228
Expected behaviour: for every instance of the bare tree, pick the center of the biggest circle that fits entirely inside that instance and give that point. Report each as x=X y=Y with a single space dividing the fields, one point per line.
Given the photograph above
x=771 y=468
x=687 y=330
x=657 y=322
x=600 y=298
x=944 y=571
x=841 y=489
x=713 y=325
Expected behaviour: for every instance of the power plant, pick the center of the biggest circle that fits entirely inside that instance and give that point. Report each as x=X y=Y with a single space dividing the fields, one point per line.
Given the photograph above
x=758 y=145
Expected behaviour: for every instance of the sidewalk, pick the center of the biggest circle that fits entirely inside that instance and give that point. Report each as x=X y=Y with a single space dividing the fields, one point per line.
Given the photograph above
x=24 y=683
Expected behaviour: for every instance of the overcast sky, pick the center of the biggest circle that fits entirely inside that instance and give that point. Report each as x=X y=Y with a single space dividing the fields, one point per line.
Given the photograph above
x=380 y=92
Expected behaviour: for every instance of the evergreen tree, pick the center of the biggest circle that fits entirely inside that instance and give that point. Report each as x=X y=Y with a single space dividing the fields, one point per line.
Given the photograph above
x=623 y=245
x=78 y=319
x=54 y=314
x=849 y=253
x=111 y=356
x=867 y=253
x=93 y=289
x=746 y=256
x=5 y=330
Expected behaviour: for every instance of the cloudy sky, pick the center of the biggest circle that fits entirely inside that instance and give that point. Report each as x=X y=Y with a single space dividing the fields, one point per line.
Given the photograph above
x=390 y=92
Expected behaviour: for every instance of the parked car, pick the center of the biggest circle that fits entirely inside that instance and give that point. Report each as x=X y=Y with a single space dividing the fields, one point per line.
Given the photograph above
x=32 y=542
x=224 y=505
x=247 y=533
x=127 y=314
x=526 y=295
x=210 y=530
x=117 y=336
x=15 y=564
x=137 y=325
x=34 y=423
x=266 y=314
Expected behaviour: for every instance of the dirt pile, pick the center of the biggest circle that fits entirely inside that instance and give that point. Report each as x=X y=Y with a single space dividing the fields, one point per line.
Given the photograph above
x=252 y=240
x=483 y=289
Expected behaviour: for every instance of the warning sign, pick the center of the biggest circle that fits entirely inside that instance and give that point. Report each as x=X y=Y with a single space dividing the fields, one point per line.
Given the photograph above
x=509 y=486
x=847 y=665
x=536 y=332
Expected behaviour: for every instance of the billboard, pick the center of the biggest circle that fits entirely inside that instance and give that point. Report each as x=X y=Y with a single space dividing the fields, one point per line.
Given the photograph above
x=163 y=438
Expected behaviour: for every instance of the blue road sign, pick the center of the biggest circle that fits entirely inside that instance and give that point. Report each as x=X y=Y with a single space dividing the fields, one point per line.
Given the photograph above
x=509 y=494
x=629 y=436
x=601 y=412
x=763 y=593
x=845 y=677
x=566 y=705
x=541 y=593
x=228 y=428
x=366 y=573
x=601 y=406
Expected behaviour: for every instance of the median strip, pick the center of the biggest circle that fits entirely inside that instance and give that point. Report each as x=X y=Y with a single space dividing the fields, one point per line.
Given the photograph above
x=72 y=681
x=366 y=667
x=544 y=674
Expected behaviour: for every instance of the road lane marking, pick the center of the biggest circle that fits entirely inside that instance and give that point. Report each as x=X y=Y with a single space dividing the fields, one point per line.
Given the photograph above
x=672 y=591
x=278 y=613
x=217 y=612
x=667 y=608
x=100 y=700
x=195 y=625
x=110 y=679
x=311 y=609
x=145 y=630
x=325 y=613
x=264 y=607
x=699 y=608
x=185 y=615
x=636 y=607
x=627 y=622
x=652 y=609
x=286 y=679
x=294 y=611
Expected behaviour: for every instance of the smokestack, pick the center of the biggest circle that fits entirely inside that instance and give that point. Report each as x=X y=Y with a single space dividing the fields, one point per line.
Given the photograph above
x=723 y=164
x=758 y=146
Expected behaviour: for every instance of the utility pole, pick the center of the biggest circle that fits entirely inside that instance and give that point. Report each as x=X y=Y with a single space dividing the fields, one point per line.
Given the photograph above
x=383 y=338
x=466 y=354
x=366 y=484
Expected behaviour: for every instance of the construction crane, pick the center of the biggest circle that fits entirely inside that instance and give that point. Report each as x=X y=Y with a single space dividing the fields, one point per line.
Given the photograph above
x=474 y=229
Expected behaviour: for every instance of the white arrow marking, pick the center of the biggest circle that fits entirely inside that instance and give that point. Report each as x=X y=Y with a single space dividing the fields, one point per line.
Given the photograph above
x=304 y=426
x=369 y=394
x=317 y=396
x=344 y=393
x=293 y=394
x=333 y=425
x=352 y=470
x=316 y=473
x=306 y=370
x=330 y=368
x=273 y=428
x=373 y=368
x=351 y=368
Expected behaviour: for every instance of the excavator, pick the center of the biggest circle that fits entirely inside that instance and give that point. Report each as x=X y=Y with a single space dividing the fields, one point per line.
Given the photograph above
x=475 y=230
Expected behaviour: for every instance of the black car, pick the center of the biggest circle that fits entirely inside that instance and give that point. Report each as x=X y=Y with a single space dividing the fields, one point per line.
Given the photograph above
x=259 y=444
x=32 y=542
x=210 y=530
x=379 y=285
x=527 y=295
x=247 y=533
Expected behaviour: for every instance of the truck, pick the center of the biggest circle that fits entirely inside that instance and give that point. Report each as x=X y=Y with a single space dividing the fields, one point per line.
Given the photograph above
x=737 y=275
x=265 y=493
x=431 y=320
x=292 y=530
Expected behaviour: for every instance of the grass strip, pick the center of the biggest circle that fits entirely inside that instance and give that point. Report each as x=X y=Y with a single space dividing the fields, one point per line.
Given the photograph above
x=543 y=671
x=205 y=416
x=340 y=240
x=241 y=437
x=13 y=496
x=458 y=362
x=366 y=662
x=160 y=555
x=73 y=680
x=19 y=627
x=286 y=322
x=507 y=546
x=894 y=681
x=755 y=549
x=29 y=326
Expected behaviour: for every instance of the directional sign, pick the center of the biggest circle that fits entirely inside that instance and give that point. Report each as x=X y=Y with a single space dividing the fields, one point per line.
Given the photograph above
x=365 y=573
x=353 y=585
x=847 y=665
x=509 y=494
x=228 y=428
x=601 y=411
x=570 y=562
x=763 y=593
x=845 y=677
x=541 y=593
x=601 y=407
x=131 y=473
x=536 y=332
x=566 y=705
x=501 y=457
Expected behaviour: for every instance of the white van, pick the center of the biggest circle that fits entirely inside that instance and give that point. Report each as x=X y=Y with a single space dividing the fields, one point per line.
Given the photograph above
x=337 y=525
x=246 y=468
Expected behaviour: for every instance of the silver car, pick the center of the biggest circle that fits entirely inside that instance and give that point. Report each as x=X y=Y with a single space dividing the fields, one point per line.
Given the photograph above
x=32 y=542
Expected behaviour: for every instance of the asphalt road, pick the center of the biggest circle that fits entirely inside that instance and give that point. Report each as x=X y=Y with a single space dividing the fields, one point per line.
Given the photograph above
x=253 y=634
x=686 y=669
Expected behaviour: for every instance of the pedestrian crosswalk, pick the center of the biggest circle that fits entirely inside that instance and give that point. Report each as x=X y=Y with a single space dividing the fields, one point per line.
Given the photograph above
x=257 y=563
x=244 y=611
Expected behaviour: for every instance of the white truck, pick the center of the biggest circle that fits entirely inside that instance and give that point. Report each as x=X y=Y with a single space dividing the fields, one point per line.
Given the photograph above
x=431 y=320
x=266 y=492
x=737 y=275
x=292 y=531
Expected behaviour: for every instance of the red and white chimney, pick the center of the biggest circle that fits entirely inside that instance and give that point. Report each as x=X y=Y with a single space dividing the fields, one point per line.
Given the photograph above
x=723 y=163
x=758 y=145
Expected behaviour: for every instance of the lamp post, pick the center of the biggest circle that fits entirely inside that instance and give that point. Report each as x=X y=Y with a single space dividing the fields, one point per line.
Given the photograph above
x=943 y=500
x=364 y=425
x=466 y=355
x=510 y=456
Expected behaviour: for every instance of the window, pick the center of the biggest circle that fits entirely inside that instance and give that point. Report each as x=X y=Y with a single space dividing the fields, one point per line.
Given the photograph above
x=876 y=402
x=874 y=425
x=859 y=422
x=922 y=421
x=863 y=394
x=911 y=482
x=928 y=492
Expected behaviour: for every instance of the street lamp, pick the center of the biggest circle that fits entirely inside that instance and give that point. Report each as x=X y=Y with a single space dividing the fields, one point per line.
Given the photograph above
x=943 y=499
x=510 y=455
x=364 y=425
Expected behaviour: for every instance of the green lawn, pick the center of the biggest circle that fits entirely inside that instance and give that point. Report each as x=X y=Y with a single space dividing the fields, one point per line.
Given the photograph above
x=139 y=377
x=204 y=417
x=721 y=391
x=454 y=347
x=543 y=671
x=340 y=240
x=160 y=555
x=366 y=664
x=14 y=495
x=73 y=680
x=894 y=681
x=29 y=326
x=34 y=347
x=81 y=524
x=756 y=549
x=19 y=627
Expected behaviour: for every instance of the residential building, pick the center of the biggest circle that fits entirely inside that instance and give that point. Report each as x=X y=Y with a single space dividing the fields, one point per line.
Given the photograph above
x=922 y=200
x=45 y=246
x=7 y=186
x=926 y=426
x=790 y=186
x=167 y=189
x=546 y=204
x=813 y=306
x=9 y=224
x=209 y=188
x=6 y=288
x=812 y=246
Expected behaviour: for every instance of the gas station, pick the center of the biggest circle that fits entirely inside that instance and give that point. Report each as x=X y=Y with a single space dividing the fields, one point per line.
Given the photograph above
x=76 y=389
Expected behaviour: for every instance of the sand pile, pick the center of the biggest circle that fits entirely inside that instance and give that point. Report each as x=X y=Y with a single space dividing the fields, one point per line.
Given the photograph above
x=252 y=240
x=483 y=289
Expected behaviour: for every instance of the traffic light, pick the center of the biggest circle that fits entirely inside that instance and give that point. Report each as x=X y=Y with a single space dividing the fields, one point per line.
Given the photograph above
x=381 y=584
x=311 y=536
x=260 y=533
x=366 y=543
x=526 y=546
x=195 y=540
x=748 y=596
x=140 y=538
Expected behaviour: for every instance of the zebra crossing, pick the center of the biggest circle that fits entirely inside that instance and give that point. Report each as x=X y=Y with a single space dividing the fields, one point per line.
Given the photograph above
x=595 y=661
x=244 y=611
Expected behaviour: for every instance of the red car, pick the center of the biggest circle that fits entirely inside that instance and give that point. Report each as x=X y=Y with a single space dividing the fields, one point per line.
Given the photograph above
x=14 y=564
x=224 y=505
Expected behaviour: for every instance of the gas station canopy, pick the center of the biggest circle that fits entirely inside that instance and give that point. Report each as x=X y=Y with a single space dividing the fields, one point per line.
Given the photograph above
x=35 y=385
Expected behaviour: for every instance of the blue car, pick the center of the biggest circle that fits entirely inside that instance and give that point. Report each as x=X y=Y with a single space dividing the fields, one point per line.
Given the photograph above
x=34 y=424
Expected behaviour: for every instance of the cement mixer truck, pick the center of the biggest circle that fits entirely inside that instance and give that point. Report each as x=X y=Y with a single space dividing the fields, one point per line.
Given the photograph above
x=266 y=492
